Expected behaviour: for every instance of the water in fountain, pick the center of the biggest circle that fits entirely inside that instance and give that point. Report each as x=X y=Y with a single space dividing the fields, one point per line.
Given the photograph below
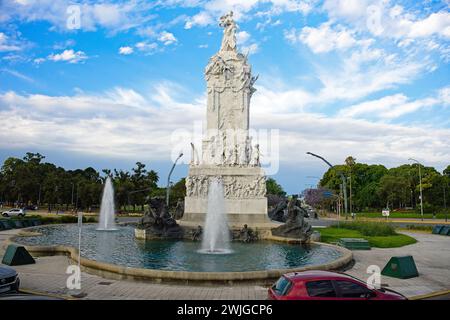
x=107 y=209
x=216 y=236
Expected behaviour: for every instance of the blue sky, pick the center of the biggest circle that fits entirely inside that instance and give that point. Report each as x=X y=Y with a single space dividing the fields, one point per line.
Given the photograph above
x=367 y=78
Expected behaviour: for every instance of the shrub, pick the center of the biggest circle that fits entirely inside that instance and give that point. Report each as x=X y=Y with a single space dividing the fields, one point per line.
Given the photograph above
x=65 y=219
x=370 y=229
x=417 y=227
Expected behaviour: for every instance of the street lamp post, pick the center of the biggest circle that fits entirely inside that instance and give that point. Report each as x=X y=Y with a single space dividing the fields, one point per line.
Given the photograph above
x=344 y=185
x=168 y=178
x=445 y=206
x=39 y=195
x=71 y=202
x=420 y=187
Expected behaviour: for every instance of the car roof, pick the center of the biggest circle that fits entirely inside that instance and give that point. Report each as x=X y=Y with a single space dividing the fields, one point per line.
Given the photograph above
x=317 y=275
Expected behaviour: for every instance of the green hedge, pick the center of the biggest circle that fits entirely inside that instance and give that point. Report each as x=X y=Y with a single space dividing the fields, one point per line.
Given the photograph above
x=59 y=219
x=371 y=229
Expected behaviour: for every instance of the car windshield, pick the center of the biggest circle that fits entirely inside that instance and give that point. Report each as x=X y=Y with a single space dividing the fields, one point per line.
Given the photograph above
x=282 y=286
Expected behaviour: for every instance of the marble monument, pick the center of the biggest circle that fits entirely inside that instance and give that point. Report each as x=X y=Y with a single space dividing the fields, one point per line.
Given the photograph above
x=227 y=150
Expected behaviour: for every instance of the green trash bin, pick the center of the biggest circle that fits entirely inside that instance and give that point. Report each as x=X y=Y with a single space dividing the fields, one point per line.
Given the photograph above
x=16 y=255
x=445 y=230
x=401 y=267
x=437 y=229
x=35 y=222
x=7 y=224
x=17 y=224
x=26 y=223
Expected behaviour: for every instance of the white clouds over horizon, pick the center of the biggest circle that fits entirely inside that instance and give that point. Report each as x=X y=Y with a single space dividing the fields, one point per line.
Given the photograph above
x=95 y=124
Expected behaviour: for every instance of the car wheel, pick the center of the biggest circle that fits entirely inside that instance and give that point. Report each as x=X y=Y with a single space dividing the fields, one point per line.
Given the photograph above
x=5 y=214
x=20 y=215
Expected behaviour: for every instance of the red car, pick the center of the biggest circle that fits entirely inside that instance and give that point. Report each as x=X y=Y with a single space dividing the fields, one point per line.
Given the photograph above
x=325 y=285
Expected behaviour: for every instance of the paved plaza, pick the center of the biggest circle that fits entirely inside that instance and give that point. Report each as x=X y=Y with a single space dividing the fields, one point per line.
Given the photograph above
x=431 y=254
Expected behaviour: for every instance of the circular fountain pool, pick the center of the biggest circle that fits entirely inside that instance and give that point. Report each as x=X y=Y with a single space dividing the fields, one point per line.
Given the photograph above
x=121 y=248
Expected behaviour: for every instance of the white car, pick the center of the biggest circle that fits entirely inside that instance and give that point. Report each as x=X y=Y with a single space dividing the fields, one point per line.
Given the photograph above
x=14 y=212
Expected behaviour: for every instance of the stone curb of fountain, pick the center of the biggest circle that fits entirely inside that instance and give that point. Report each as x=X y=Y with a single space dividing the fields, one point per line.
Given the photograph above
x=116 y=272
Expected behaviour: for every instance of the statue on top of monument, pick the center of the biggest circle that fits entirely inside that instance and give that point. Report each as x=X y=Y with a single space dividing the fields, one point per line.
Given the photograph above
x=229 y=32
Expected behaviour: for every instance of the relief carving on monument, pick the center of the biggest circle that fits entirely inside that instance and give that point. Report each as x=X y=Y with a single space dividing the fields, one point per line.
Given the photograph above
x=234 y=186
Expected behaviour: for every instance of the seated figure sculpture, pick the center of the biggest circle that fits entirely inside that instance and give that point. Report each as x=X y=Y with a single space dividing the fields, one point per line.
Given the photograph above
x=247 y=234
x=157 y=221
x=295 y=226
x=197 y=234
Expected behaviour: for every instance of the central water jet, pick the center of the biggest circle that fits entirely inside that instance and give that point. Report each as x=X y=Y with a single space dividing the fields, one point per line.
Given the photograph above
x=216 y=236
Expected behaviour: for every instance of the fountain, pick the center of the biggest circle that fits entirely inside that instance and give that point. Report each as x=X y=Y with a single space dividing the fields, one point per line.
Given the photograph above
x=216 y=237
x=229 y=178
x=107 y=208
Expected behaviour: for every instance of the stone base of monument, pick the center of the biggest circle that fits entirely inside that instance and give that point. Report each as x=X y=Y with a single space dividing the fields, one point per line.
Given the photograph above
x=238 y=211
x=155 y=234
x=244 y=192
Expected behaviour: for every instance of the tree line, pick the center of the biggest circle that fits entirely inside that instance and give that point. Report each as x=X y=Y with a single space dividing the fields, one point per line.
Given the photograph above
x=375 y=187
x=30 y=180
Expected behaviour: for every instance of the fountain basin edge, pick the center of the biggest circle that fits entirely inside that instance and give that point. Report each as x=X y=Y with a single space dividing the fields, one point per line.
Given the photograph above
x=117 y=272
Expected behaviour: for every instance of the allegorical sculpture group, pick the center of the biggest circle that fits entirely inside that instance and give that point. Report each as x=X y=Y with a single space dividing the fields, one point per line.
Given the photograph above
x=295 y=226
x=221 y=150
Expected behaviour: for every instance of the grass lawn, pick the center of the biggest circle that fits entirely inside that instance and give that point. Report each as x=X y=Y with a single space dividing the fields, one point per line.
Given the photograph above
x=333 y=234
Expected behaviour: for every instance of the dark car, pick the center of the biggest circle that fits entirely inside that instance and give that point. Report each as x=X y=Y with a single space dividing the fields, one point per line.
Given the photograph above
x=31 y=207
x=9 y=280
x=325 y=285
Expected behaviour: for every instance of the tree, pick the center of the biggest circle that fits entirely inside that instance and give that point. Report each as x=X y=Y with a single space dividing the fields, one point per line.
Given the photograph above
x=274 y=188
x=392 y=190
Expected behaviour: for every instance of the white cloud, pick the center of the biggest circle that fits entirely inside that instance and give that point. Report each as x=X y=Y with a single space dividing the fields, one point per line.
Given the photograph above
x=388 y=19
x=350 y=10
x=242 y=37
x=390 y=107
x=201 y=19
x=167 y=38
x=250 y=49
x=324 y=38
x=126 y=50
x=435 y=23
x=355 y=79
x=147 y=47
x=7 y=45
x=114 y=17
x=68 y=55
x=39 y=60
x=94 y=125
x=247 y=45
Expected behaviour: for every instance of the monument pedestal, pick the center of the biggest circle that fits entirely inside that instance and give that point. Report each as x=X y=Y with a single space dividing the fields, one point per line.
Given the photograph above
x=244 y=191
